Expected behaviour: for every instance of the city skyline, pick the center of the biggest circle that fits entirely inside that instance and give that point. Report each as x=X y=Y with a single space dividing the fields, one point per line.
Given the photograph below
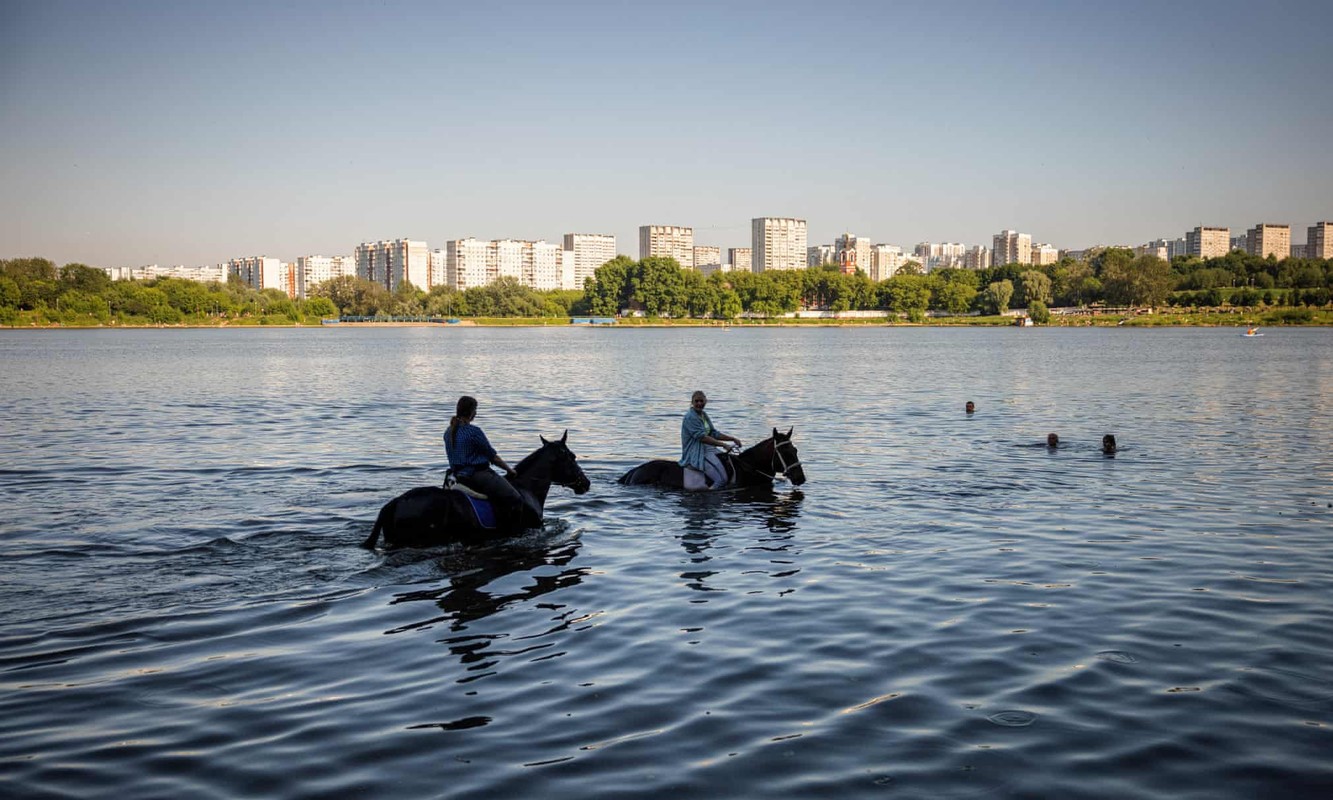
x=155 y=132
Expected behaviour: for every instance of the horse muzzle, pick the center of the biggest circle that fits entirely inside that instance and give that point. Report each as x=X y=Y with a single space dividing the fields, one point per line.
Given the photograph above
x=581 y=486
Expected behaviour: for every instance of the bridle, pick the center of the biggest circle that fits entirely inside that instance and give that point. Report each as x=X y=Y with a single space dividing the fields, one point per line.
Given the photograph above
x=776 y=456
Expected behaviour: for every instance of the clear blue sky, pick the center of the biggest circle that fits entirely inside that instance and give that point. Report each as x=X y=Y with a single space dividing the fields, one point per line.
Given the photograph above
x=192 y=132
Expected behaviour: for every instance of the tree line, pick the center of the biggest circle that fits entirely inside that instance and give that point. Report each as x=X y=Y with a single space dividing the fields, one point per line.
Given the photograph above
x=659 y=287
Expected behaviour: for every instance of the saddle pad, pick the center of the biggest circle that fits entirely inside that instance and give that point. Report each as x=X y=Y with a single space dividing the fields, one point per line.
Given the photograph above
x=482 y=508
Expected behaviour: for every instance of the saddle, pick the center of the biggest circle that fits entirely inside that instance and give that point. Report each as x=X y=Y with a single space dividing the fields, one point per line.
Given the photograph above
x=450 y=482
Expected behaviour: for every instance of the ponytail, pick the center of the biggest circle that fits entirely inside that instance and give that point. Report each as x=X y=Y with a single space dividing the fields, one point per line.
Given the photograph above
x=465 y=410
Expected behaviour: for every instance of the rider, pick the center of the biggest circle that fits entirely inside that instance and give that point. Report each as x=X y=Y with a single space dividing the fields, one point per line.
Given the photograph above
x=470 y=456
x=698 y=437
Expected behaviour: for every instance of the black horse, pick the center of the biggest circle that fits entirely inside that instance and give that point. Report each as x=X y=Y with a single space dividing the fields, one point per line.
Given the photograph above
x=428 y=515
x=756 y=466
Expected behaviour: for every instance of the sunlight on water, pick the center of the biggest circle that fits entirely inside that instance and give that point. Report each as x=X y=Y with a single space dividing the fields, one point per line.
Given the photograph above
x=948 y=608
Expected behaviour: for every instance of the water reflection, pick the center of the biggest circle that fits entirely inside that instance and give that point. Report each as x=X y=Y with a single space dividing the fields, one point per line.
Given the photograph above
x=707 y=515
x=466 y=598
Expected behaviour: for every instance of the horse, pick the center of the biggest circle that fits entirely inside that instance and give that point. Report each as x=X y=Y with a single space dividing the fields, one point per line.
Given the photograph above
x=756 y=466
x=430 y=515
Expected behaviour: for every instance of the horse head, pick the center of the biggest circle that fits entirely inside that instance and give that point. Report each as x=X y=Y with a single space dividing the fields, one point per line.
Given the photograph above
x=785 y=458
x=563 y=464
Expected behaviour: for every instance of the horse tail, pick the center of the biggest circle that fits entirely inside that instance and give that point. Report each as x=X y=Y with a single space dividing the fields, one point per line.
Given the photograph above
x=381 y=522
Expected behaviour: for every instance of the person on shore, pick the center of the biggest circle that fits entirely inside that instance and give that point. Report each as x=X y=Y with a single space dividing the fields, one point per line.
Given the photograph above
x=1052 y=440
x=698 y=437
x=470 y=458
x=970 y=407
x=1108 y=444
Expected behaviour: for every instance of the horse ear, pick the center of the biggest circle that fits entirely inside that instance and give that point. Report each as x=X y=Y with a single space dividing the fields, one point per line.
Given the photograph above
x=565 y=436
x=789 y=430
x=543 y=438
x=775 y=433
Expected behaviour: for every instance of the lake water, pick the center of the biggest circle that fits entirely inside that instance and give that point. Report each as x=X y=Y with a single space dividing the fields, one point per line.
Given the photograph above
x=944 y=610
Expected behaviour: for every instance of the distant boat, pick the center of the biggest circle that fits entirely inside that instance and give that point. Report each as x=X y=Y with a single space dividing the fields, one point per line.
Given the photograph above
x=1251 y=333
x=1023 y=322
x=452 y=321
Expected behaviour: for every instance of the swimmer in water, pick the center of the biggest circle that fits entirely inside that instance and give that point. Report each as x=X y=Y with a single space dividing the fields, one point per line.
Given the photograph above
x=1052 y=440
x=970 y=407
x=1108 y=444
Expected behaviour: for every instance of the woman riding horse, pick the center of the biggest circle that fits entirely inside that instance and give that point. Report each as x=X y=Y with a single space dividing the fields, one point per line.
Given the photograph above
x=430 y=515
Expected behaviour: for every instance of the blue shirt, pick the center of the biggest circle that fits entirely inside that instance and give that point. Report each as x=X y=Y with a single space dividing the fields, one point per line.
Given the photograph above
x=693 y=428
x=469 y=451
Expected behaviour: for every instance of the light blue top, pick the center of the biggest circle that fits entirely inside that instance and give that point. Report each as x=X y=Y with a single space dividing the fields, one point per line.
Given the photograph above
x=693 y=428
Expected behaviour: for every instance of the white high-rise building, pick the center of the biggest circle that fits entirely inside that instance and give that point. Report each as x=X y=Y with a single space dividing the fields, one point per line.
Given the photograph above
x=590 y=251
x=391 y=262
x=258 y=272
x=817 y=255
x=1043 y=254
x=1011 y=247
x=667 y=241
x=505 y=259
x=540 y=265
x=467 y=263
x=1319 y=240
x=542 y=261
x=1269 y=239
x=739 y=259
x=707 y=256
x=567 y=280
x=938 y=255
x=977 y=257
x=311 y=271
x=778 y=243
x=885 y=259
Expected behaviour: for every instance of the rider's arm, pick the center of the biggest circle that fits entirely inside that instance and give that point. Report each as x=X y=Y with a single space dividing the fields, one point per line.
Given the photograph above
x=500 y=462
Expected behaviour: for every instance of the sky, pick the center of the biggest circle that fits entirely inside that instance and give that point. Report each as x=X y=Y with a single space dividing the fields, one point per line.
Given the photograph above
x=137 y=133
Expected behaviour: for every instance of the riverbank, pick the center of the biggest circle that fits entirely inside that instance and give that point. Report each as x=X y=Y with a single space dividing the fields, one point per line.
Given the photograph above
x=1276 y=317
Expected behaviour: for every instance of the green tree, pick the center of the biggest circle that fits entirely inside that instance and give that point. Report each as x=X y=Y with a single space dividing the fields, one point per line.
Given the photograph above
x=1145 y=280
x=82 y=278
x=9 y=293
x=1035 y=287
x=908 y=294
x=608 y=289
x=658 y=286
x=997 y=295
x=1039 y=312
x=320 y=308
x=954 y=297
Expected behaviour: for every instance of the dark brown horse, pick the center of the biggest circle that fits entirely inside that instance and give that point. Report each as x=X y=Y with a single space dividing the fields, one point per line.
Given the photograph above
x=429 y=515
x=756 y=466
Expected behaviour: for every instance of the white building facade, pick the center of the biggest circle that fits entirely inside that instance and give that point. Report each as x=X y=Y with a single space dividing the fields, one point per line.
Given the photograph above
x=1011 y=247
x=212 y=274
x=259 y=272
x=667 y=241
x=778 y=243
x=739 y=259
x=311 y=271
x=391 y=262
x=589 y=251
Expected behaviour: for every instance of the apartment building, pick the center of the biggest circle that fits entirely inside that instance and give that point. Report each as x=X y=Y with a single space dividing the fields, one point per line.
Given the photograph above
x=214 y=274
x=817 y=255
x=1267 y=239
x=589 y=251
x=938 y=255
x=1011 y=247
x=467 y=263
x=260 y=272
x=707 y=256
x=391 y=262
x=667 y=241
x=311 y=271
x=1319 y=240
x=1044 y=254
x=885 y=259
x=778 y=243
x=977 y=257
x=540 y=265
x=739 y=259
x=1206 y=242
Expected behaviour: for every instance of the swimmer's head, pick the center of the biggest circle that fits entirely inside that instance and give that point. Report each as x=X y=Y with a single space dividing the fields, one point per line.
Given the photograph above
x=1052 y=440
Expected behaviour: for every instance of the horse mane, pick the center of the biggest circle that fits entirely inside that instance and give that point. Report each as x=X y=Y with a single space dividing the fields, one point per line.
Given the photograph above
x=529 y=459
